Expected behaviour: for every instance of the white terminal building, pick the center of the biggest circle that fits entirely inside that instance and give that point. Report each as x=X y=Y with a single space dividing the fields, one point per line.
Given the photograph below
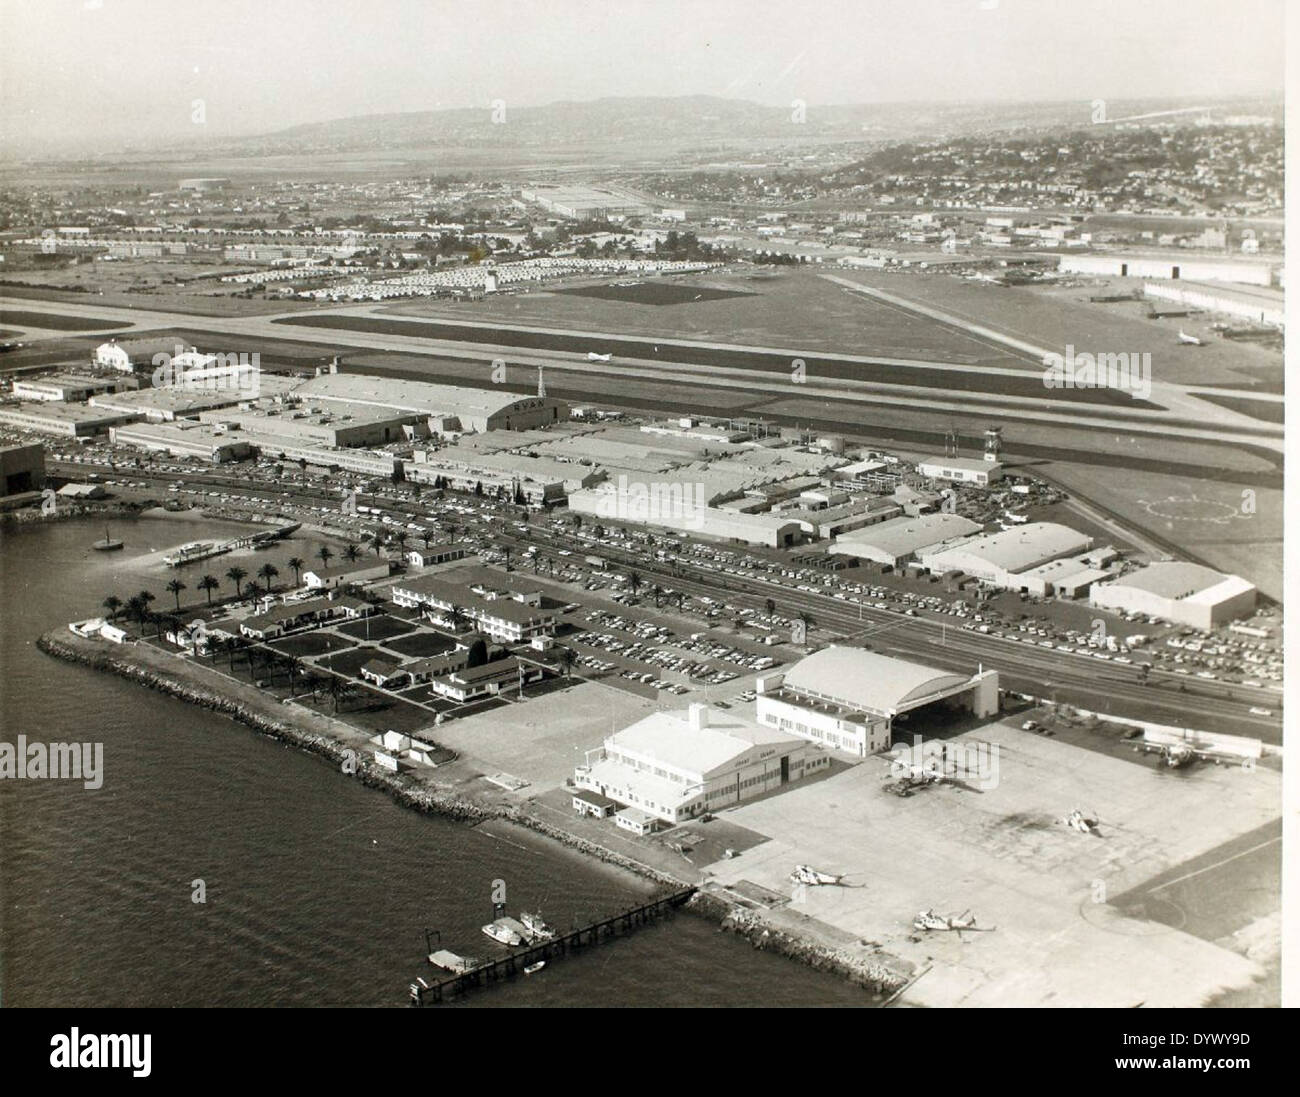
x=899 y=540
x=1180 y=592
x=676 y=765
x=847 y=698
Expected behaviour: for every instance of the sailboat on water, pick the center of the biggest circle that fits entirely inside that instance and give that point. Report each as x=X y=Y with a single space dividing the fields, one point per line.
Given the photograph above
x=108 y=544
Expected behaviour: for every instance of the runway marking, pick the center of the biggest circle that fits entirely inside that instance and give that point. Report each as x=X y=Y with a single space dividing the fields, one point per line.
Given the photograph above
x=1217 y=864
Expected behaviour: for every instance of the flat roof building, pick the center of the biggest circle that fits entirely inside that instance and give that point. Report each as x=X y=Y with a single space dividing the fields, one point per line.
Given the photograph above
x=999 y=559
x=67 y=387
x=897 y=540
x=674 y=506
x=68 y=420
x=1183 y=593
x=468 y=408
x=677 y=765
x=183 y=438
x=961 y=470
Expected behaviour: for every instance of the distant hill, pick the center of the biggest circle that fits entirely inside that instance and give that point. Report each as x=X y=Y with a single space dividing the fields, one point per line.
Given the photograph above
x=655 y=120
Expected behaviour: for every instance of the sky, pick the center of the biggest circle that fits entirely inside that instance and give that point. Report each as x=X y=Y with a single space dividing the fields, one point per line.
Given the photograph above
x=131 y=70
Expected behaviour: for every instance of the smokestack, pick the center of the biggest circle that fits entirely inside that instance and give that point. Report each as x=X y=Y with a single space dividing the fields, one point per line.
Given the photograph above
x=698 y=715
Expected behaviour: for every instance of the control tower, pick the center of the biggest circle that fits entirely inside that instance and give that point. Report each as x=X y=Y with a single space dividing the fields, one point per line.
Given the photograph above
x=993 y=444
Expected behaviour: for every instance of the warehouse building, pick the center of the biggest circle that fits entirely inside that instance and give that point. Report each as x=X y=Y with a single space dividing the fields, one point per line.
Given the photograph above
x=675 y=506
x=677 y=765
x=1179 y=592
x=333 y=425
x=67 y=420
x=1259 y=305
x=1168 y=267
x=69 y=388
x=450 y=408
x=961 y=470
x=896 y=541
x=183 y=438
x=1000 y=559
x=848 y=698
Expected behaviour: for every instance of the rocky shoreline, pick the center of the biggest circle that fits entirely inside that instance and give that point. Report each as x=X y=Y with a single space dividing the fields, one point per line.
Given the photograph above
x=448 y=803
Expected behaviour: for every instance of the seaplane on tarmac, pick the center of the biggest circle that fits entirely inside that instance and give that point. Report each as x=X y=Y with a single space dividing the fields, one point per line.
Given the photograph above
x=802 y=874
x=1083 y=821
x=929 y=922
x=1188 y=340
x=592 y=356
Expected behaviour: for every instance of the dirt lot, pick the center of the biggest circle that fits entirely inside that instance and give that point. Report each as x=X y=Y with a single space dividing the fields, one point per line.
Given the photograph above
x=1003 y=853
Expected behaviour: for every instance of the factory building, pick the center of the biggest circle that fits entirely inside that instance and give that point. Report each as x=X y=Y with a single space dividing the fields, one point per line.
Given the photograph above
x=183 y=438
x=332 y=425
x=68 y=388
x=675 y=766
x=896 y=541
x=1001 y=559
x=847 y=698
x=585 y=203
x=1261 y=305
x=961 y=470
x=1182 y=593
x=451 y=408
x=1168 y=267
x=67 y=420
x=675 y=506
x=163 y=405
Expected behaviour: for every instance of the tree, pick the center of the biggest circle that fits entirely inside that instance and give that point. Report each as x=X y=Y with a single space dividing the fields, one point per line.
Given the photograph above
x=208 y=584
x=237 y=575
x=174 y=588
x=770 y=606
x=505 y=551
x=567 y=658
x=634 y=581
x=136 y=609
x=457 y=617
x=477 y=653
x=351 y=553
x=297 y=563
x=658 y=593
x=427 y=538
x=112 y=603
x=268 y=571
x=451 y=528
x=325 y=554
x=146 y=600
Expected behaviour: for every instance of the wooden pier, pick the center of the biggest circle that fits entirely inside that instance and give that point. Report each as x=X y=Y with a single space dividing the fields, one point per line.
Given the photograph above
x=523 y=955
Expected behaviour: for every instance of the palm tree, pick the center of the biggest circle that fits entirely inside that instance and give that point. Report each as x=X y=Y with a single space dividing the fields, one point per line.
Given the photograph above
x=324 y=554
x=505 y=551
x=567 y=659
x=268 y=571
x=770 y=606
x=297 y=563
x=112 y=603
x=450 y=527
x=457 y=618
x=146 y=599
x=208 y=584
x=351 y=553
x=135 y=608
x=401 y=537
x=427 y=538
x=174 y=588
x=634 y=581
x=658 y=593
x=237 y=575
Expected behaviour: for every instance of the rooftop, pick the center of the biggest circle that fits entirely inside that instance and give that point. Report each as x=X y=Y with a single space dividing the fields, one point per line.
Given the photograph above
x=866 y=681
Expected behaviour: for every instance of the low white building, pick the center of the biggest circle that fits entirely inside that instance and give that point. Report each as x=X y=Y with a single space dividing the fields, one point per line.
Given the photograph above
x=1179 y=592
x=677 y=765
x=1000 y=559
x=961 y=470
x=898 y=540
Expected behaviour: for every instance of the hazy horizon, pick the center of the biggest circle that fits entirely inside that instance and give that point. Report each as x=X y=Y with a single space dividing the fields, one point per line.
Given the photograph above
x=129 y=71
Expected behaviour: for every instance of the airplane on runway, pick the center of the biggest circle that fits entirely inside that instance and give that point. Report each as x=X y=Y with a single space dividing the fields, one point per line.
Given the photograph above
x=929 y=922
x=1188 y=340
